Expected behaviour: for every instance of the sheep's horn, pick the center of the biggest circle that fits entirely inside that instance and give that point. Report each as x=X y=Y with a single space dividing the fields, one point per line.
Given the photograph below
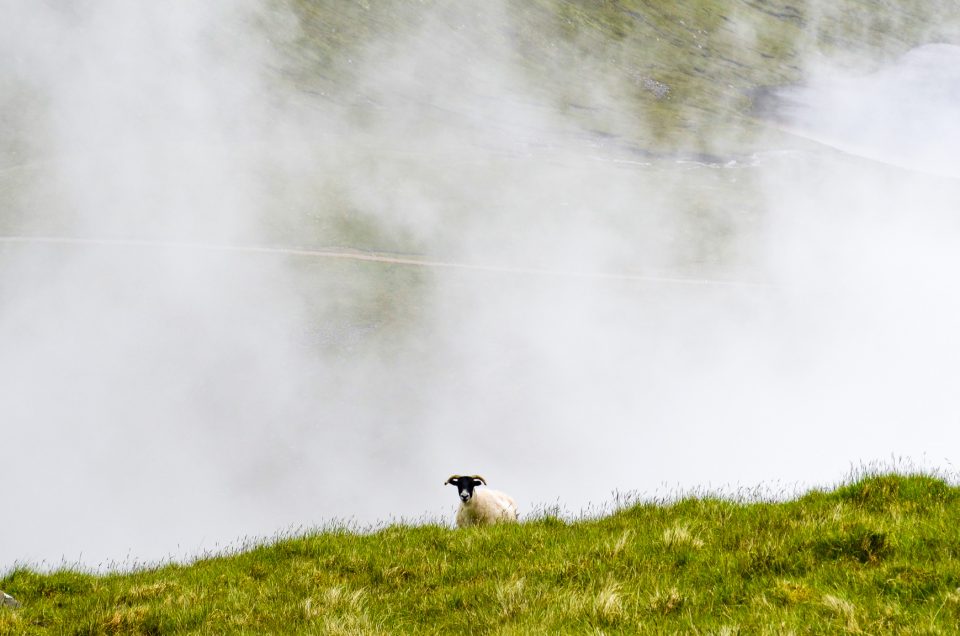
x=480 y=478
x=452 y=479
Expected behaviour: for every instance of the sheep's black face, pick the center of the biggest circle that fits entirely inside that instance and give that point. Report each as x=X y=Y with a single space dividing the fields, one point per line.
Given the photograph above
x=465 y=486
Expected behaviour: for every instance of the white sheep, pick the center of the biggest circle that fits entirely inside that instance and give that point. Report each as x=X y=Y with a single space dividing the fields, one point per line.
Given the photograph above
x=481 y=507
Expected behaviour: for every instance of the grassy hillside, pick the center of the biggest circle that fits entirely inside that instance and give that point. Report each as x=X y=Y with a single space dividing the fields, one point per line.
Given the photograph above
x=877 y=556
x=650 y=78
x=657 y=75
x=647 y=80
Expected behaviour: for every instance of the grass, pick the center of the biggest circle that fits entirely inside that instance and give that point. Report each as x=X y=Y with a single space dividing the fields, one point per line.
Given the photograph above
x=879 y=555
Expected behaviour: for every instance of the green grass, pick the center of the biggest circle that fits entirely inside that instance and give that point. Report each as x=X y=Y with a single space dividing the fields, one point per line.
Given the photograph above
x=879 y=555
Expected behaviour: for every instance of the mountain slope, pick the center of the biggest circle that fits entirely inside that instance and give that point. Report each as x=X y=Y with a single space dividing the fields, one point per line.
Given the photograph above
x=875 y=556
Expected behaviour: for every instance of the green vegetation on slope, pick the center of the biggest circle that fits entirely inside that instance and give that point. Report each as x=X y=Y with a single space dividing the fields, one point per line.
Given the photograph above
x=878 y=556
x=652 y=79
x=666 y=76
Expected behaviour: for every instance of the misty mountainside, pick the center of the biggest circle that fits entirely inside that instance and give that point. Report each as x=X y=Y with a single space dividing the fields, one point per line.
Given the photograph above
x=472 y=88
x=260 y=260
x=641 y=76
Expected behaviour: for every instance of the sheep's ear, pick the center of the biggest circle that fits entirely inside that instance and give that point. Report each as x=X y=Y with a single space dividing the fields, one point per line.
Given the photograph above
x=479 y=482
x=479 y=479
x=452 y=480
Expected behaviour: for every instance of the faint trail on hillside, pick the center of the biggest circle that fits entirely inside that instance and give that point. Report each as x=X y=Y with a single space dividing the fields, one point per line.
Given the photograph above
x=376 y=257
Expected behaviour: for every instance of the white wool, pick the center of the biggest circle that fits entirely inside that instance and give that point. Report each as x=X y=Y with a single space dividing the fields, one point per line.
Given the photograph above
x=487 y=507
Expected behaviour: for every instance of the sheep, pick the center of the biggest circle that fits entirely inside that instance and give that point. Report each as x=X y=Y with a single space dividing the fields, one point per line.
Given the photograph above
x=481 y=507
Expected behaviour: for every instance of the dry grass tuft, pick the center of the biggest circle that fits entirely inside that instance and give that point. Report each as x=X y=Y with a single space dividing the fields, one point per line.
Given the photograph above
x=149 y=592
x=680 y=536
x=608 y=604
x=620 y=544
x=511 y=597
x=126 y=620
x=666 y=601
x=844 y=610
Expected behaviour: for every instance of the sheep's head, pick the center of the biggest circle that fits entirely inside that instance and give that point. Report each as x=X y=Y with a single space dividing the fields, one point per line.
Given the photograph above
x=465 y=485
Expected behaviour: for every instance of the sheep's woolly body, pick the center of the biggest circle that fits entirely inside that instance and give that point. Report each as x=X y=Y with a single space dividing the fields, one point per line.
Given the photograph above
x=487 y=507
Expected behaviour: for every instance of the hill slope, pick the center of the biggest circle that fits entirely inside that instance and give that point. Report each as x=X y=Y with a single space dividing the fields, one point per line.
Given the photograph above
x=665 y=76
x=879 y=555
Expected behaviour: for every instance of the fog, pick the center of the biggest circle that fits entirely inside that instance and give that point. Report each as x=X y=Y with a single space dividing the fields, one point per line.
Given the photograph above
x=192 y=355
x=900 y=114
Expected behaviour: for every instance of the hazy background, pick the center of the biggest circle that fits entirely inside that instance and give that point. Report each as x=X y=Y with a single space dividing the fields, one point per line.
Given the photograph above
x=746 y=303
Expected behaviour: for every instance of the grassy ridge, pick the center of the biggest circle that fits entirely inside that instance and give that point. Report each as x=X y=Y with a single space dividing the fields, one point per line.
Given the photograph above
x=880 y=556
